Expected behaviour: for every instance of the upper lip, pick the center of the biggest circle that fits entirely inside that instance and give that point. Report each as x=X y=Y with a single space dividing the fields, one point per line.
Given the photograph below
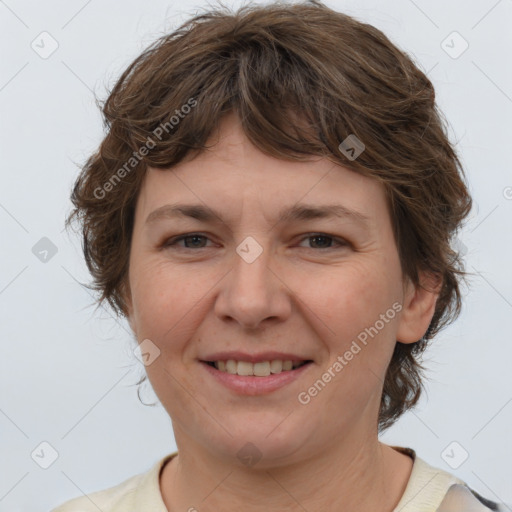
x=253 y=358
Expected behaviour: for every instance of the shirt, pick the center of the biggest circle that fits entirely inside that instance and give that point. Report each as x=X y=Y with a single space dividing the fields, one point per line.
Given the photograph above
x=429 y=489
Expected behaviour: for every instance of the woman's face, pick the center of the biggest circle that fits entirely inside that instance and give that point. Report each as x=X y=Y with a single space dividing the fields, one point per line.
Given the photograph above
x=256 y=284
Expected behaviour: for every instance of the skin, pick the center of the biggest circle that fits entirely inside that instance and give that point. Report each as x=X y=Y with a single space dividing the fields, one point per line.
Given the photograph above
x=302 y=295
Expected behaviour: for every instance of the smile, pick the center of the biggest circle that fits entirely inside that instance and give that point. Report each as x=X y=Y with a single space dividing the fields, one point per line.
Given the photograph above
x=262 y=377
x=260 y=369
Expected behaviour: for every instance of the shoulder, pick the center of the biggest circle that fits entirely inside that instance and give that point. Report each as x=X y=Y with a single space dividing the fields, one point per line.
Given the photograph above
x=129 y=494
x=431 y=489
x=462 y=497
x=104 y=500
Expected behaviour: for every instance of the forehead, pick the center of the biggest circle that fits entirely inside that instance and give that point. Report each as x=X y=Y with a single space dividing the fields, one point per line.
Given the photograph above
x=234 y=175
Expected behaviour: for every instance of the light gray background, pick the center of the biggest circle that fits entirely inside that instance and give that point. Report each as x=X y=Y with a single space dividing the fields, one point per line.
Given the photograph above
x=67 y=374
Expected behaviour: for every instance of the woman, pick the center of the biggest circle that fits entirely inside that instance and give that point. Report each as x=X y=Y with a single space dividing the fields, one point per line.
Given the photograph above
x=272 y=210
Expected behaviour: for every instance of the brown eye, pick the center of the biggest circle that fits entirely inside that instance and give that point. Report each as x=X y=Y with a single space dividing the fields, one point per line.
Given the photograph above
x=325 y=241
x=192 y=241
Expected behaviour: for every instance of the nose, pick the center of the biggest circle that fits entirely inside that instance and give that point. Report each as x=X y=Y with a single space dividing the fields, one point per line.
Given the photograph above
x=253 y=293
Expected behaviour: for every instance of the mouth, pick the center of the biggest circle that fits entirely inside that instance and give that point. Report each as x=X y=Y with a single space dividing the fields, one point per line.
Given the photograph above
x=258 y=369
x=261 y=376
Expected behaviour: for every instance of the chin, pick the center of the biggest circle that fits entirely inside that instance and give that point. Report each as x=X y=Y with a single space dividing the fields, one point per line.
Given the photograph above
x=262 y=444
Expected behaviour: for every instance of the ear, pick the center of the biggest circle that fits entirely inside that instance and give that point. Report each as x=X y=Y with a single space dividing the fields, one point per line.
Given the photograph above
x=418 y=307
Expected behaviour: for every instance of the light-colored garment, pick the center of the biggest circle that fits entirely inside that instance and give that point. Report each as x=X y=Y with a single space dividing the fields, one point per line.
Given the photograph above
x=429 y=489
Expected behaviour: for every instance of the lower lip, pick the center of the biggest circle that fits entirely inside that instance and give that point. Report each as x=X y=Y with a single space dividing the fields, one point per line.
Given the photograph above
x=251 y=385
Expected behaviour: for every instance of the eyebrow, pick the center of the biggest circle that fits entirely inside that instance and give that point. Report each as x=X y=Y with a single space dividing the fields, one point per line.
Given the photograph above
x=297 y=212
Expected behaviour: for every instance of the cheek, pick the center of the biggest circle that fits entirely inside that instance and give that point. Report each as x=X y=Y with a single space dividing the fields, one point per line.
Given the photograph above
x=350 y=298
x=166 y=301
x=351 y=306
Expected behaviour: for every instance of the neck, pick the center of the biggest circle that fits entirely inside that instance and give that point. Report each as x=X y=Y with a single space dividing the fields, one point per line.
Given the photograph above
x=361 y=477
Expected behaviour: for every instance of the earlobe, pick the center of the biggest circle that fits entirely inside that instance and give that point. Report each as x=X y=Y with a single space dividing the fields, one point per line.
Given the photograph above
x=418 y=308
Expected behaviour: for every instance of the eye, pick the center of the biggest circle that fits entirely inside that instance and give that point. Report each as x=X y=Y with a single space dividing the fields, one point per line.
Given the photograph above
x=193 y=238
x=321 y=241
x=324 y=241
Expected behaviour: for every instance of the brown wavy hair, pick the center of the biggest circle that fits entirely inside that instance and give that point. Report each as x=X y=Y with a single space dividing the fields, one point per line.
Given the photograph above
x=301 y=77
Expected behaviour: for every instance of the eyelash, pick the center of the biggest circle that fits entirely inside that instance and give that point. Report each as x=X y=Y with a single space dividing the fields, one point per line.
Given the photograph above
x=173 y=241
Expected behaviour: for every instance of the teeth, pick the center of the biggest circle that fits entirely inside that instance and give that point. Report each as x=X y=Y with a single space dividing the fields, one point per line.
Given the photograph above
x=231 y=366
x=276 y=366
x=261 y=369
x=287 y=365
x=245 y=368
